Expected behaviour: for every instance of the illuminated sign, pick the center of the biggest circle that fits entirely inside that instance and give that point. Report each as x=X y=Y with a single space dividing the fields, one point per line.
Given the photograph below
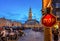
x=48 y=20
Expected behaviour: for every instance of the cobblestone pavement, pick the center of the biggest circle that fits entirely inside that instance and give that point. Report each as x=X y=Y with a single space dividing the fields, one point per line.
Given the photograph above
x=32 y=36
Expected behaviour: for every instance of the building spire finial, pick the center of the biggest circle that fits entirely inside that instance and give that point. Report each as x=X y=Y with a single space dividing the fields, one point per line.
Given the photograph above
x=30 y=10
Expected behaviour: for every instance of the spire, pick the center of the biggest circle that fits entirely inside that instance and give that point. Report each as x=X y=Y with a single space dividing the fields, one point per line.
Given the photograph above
x=30 y=11
x=30 y=14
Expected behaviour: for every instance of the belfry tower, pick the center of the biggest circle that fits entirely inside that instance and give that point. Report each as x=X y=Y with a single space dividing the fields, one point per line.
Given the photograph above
x=30 y=14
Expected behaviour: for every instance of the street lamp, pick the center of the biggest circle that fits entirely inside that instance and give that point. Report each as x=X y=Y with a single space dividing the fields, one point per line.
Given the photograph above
x=56 y=26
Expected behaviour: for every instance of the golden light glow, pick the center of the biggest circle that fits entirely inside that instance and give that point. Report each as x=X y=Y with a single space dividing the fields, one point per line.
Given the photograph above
x=56 y=26
x=46 y=3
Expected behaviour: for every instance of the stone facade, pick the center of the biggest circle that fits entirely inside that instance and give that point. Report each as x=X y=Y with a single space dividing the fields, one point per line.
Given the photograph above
x=5 y=22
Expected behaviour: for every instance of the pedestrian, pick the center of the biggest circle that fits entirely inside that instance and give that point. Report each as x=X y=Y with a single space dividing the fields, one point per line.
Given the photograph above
x=55 y=34
x=11 y=34
x=4 y=35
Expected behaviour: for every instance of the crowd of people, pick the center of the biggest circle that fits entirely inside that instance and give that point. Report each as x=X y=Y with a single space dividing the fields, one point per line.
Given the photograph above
x=11 y=34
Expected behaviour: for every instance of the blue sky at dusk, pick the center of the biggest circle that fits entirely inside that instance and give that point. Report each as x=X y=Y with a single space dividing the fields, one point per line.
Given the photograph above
x=19 y=9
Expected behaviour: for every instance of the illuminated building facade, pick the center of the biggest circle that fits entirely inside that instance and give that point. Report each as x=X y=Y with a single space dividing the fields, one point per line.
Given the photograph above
x=31 y=22
x=6 y=22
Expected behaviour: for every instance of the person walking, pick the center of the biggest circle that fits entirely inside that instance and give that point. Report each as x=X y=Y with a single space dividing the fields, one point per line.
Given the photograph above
x=55 y=34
